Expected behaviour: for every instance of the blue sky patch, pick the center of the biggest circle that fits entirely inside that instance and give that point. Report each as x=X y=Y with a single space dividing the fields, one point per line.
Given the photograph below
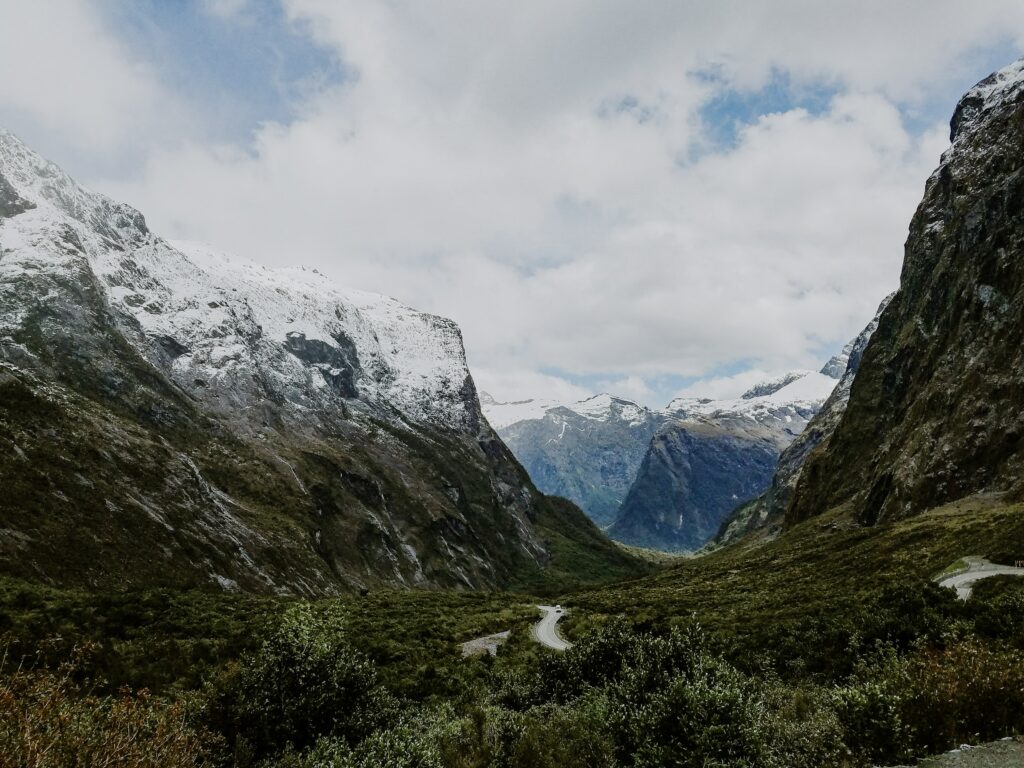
x=243 y=70
x=726 y=113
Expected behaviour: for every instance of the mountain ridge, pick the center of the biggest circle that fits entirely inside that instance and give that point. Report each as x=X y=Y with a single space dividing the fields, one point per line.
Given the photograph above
x=591 y=451
x=933 y=413
x=266 y=430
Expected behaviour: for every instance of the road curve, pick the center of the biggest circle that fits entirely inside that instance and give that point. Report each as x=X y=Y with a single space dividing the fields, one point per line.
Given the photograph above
x=545 y=632
x=978 y=569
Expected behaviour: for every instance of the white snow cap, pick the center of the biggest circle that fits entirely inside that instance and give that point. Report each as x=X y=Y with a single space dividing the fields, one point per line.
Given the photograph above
x=597 y=408
x=808 y=390
x=999 y=87
x=230 y=320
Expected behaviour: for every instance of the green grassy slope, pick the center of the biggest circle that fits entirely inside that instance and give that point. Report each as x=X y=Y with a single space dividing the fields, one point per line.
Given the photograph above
x=819 y=566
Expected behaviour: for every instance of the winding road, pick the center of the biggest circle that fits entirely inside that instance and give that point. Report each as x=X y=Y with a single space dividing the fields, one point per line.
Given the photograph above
x=545 y=632
x=977 y=568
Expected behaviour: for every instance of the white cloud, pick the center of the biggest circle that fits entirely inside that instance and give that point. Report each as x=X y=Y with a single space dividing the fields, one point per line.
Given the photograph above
x=525 y=168
x=69 y=84
x=524 y=385
x=636 y=268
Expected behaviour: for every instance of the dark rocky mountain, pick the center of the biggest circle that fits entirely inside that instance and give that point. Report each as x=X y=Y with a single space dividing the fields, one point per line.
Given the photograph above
x=767 y=511
x=710 y=457
x=169 y=415
x=693 y=473
x=935 y=411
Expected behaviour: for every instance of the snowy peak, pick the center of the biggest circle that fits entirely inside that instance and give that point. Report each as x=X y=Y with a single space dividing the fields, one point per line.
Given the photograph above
x=997 y=89
x=603 y=407
x=41 y=183
x=231 y=332
x=770 y=387
x=801 y=390
x=836 y=366
x=363 y=344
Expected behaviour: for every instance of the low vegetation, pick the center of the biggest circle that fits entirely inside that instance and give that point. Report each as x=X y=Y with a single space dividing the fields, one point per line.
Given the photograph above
x=741 y=658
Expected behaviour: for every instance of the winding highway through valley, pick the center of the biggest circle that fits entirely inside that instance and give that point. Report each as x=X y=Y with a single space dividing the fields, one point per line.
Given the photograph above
x=977 y=568
x=545 y=632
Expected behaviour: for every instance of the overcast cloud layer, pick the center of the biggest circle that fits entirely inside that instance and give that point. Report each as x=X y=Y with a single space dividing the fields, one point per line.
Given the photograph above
x=605 y=195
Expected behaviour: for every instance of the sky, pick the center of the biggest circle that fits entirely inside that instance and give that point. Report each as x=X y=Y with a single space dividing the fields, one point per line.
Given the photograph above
x=647 y=198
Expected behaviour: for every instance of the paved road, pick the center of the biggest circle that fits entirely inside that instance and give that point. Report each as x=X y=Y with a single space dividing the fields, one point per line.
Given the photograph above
x=545 y=632
x=978 y=568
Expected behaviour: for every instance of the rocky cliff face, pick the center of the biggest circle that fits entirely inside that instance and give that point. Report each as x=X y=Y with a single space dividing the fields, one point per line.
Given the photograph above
x=711 y=456
x=935 y=412
x=768 y=510
x=693 y=473
x=172 y=415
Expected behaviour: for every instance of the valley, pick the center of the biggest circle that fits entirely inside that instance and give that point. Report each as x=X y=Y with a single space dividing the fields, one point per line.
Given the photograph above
x=251 y=518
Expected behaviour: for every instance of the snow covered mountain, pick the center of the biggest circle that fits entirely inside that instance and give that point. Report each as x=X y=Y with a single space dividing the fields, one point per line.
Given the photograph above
x=709 y=456
x=172 y=414
x=586 y=451
x=785 y=400
x=592 y=451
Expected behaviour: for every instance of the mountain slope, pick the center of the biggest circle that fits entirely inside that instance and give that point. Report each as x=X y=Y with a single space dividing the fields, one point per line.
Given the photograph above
x=170 y=415
x=768 y=510
x=935 y=411
x=711 y=456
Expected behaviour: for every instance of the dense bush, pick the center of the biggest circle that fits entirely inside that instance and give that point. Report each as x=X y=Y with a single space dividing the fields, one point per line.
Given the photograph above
x=305 y=683
x=903 y=705
x=907 y=671
x=47 y=719
x=827 y=646
x=668 y=700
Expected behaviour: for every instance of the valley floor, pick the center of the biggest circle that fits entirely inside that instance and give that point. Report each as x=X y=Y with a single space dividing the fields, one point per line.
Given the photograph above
x=830 y=646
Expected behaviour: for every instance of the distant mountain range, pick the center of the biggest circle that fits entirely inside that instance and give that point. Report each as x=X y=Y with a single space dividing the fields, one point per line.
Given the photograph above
x=661 y=478
x=588 y=451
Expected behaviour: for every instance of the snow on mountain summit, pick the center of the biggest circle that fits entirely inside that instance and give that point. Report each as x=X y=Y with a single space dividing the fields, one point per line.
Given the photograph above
x=804 y=390
x=230 y=331
x=413 y=360
x=600 y=407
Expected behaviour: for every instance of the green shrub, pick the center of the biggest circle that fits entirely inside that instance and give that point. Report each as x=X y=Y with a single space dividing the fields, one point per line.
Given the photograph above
x=871 y=711
x=932 y=699
x=306 y=682
x=652 y=700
